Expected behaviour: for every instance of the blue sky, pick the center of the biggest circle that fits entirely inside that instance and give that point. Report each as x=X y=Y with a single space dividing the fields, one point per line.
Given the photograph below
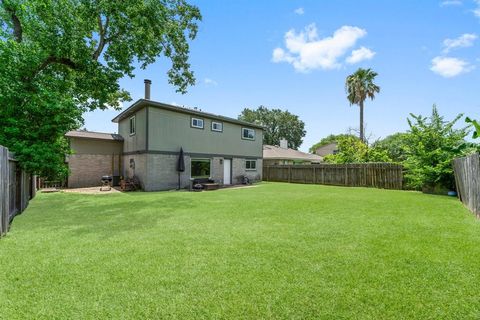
x=295 y=55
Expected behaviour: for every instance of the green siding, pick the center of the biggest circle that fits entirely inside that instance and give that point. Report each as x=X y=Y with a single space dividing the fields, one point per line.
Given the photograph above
x=168 y=131
x=95 y=146
x=136 y=142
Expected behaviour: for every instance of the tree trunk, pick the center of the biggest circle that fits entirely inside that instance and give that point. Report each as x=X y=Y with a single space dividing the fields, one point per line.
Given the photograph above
x=362 y=134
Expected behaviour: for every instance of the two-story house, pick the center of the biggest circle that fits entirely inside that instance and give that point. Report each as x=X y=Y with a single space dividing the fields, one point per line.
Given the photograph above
x=152 y=134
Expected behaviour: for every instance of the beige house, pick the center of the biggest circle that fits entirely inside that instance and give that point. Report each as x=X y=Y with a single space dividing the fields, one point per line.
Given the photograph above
x=282 y=155
x=94 y=154
x=331 y=148
x=150 y=136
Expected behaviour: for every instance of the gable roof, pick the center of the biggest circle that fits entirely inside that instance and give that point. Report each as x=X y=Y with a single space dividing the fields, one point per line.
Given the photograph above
x=94 y=135
x=333 y=143
x=275 y=152
x=143 y=103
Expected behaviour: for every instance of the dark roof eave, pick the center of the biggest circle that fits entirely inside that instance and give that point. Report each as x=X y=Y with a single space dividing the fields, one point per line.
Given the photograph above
x=95 y=138
x=142 y=102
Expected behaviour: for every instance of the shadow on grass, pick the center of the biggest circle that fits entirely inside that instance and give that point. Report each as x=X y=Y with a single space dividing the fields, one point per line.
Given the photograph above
x=109 y=216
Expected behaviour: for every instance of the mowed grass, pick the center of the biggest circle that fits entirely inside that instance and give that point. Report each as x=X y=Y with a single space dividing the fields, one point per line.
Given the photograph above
x=275 y=251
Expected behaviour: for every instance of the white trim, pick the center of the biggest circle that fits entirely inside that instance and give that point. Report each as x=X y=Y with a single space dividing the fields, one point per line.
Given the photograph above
x=219 y=123
x=134 y=125
x=197 y=119
x=248 y=138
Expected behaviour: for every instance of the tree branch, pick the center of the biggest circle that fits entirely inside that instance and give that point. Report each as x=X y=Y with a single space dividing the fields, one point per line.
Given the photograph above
x=51 y=60
x=17 y=26
x=103 y=40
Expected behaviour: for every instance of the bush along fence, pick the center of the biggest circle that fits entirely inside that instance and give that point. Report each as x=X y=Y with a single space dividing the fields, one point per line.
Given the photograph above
x=16 y=189
x=377 y=175
x=467 y=180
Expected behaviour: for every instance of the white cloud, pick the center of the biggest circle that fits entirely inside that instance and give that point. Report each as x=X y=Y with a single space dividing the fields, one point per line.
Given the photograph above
x=306 y=52
x=299 y=11
x=210 y=82
x=465 y=40
x=360 y=55
x=476 y=11
x=450 y=67
x=448 y=3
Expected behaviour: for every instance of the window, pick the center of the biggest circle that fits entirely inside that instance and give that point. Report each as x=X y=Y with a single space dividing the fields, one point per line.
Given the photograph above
x=217 y=126
x=132 y=125
x=200 y=168
x=197 y=123
x=248 y=134
x=251 y=164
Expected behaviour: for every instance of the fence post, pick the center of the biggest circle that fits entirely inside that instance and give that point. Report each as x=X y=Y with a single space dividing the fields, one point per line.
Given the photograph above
x=346 y=174
x=4 y=192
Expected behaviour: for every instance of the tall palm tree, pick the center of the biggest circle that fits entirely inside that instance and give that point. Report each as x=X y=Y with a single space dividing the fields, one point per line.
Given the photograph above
x=359 y=86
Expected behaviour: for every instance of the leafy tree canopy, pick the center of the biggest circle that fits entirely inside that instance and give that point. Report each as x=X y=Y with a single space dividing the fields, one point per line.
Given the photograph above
x=353 y=150
x=278 y=124
x=329 y=139
x=394 y=145
x=62 y=58
x=431 y=145
x=476 y=126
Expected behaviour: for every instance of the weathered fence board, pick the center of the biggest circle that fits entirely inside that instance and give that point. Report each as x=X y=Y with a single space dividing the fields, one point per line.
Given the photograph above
x=4 y=192
x=378 y=175
x=16 y=189
x=467 y=180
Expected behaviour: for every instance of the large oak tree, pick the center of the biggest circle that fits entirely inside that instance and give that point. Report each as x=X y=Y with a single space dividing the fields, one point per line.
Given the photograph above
x=60 y=58
x=278 y=125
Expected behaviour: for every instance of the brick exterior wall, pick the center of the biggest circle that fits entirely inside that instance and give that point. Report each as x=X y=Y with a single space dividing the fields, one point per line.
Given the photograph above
x=216 y=170
x=238 y=171
x=155 y=171
x=160 y=171
x=139 y=170
x=86 y=170
x=163 y=174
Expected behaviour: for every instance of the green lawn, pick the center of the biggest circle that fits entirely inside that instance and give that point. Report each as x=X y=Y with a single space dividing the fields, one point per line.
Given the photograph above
x=273 y=251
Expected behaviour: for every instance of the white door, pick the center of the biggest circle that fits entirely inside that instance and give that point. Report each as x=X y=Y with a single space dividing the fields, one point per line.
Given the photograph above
x=227 y=171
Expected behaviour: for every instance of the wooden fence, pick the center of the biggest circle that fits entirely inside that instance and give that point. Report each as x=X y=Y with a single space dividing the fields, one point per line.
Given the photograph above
x=16 y=189
x=467 y=180
x=377 y=175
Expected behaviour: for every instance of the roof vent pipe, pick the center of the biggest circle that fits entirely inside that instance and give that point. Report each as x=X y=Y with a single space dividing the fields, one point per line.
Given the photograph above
x=147 y=88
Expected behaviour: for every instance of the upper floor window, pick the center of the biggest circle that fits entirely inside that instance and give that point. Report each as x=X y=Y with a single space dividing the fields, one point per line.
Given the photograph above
x=248 y=134
x=197 y=123
x=132 y=125
x=217 y=126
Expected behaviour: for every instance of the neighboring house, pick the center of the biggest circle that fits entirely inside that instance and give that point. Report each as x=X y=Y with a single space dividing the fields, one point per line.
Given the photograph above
x=216 y=147
x=282 y=155
x=94 y=154
x=331 y=148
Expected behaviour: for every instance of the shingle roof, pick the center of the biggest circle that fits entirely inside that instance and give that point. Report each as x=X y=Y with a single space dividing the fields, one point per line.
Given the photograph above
x=94 y=135
x=275 y=152
x=143 y=103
